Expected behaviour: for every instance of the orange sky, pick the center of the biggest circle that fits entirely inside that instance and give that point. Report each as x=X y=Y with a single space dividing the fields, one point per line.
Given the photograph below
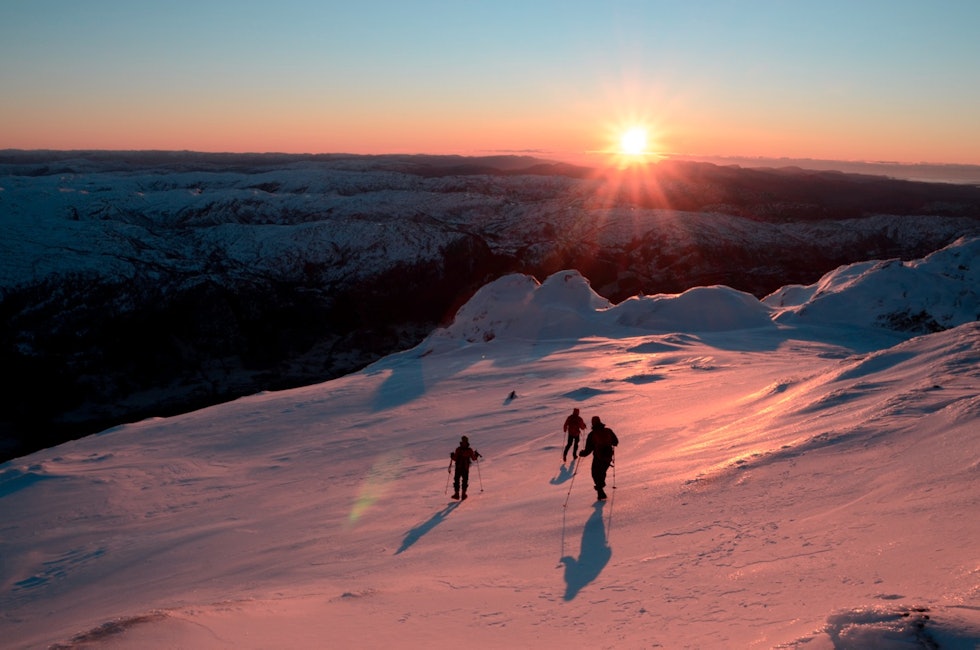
x=560 y=80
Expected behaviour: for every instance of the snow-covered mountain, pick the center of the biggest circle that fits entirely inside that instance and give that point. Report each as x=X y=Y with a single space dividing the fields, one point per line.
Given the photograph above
x=344 y=218
x=790 y=474
x=148 y=283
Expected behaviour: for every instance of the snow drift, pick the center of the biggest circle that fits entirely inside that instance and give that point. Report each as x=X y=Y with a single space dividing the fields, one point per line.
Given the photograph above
x=927 y=295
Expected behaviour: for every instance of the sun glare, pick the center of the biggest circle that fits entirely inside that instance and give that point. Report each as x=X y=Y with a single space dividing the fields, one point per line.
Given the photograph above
x=633 y=142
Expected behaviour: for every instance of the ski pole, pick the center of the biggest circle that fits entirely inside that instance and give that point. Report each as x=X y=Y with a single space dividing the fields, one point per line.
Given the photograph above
x=478 y=474
x=611 y=503
x=564 y=511
x=570 y=484
x=613 y=464
x=449 y=473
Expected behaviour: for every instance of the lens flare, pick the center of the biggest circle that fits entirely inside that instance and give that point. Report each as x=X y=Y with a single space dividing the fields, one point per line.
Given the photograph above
x=383 y=472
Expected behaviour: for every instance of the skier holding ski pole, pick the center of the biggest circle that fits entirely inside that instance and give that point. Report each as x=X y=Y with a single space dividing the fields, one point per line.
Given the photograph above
x=573 y=426
x=462 y=456
x=600 y=443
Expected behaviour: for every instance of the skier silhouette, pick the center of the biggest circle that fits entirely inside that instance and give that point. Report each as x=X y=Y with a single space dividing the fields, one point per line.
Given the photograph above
x=463 y=456
x=600 y=443
x=573 y=426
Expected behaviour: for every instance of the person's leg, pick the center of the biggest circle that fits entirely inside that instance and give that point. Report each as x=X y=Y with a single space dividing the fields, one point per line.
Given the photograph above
x=564 y=454
x=599 y=477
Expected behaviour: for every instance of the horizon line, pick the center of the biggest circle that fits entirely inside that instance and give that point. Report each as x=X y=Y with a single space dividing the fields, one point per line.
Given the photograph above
x=484 y=153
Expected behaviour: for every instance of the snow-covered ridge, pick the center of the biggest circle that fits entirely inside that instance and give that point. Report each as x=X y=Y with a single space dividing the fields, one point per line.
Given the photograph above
x=937 y=292
x=350 y=217
x=940 y=291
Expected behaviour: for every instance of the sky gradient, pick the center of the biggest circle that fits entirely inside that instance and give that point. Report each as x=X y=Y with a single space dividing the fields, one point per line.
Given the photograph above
x=860 y=80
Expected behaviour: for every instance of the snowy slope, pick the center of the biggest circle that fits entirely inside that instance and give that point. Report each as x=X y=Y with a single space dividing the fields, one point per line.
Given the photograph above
x=781 y=482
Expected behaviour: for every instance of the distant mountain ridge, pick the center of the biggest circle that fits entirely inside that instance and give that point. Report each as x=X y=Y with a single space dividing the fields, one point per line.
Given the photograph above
x=146 y=283
x=934 y=172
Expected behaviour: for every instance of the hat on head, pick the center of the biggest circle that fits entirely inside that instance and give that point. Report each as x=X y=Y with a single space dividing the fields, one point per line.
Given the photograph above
x=464 y=439
x=596 y=421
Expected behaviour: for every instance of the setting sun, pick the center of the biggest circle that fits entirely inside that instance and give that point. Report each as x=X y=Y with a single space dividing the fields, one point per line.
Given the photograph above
x=633 y=142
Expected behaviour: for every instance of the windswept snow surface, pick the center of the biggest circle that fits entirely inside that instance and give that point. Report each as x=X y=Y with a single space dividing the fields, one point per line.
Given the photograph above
x=785 y=478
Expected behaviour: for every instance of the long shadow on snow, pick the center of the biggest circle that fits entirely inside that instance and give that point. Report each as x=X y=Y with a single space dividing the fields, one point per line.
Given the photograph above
x=417 y=532
x=565 y=473
x=593 y=557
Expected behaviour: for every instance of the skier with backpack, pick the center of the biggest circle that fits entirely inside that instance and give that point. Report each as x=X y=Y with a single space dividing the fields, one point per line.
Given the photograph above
x=600 y=443
x=462 y=456
x=574 y=424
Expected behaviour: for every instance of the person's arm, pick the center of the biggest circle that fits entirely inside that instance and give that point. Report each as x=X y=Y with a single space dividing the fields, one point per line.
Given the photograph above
x=588 y=446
